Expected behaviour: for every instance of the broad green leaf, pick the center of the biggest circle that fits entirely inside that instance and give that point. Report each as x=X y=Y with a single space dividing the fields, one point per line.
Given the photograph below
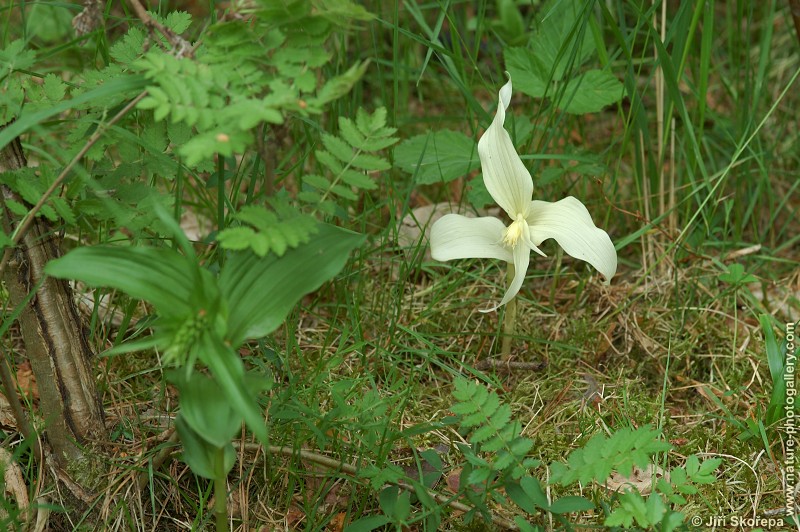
x=160 y=276
x=262 y=292
x=590 y=92
x=562 y=39
x=204 y=459
x=571 y=504
x=655 y=510
x=477 y=195
x=736 y=275
x=228 y=370
x=527 y=72
x=205 y=408
x=5 y=240
x=437 y=157
x=525 y=526
x=511 y=24
x=367 y=524
x=527 y=494
x=775 y=359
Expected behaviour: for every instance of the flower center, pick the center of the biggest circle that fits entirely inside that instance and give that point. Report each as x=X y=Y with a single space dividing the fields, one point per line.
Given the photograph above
x=514 y=231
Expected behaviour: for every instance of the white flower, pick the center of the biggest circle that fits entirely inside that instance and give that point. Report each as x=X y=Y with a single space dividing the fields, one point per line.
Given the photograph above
x=508 y=181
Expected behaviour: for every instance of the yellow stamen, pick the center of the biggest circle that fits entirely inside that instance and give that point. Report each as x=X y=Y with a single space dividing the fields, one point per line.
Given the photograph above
x=514 y=231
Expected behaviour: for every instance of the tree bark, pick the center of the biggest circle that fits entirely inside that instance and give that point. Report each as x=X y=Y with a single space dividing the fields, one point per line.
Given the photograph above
x=55 y=340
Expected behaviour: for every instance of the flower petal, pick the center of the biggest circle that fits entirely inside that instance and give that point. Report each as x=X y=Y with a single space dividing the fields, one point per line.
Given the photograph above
x=522 y=257
x=457 y=237
x=571 y=225
x=506 y=178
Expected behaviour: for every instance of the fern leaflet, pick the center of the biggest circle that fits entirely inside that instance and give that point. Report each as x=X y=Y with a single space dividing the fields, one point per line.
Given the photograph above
x=268 y=231
x=492 y=430
x=349 y=159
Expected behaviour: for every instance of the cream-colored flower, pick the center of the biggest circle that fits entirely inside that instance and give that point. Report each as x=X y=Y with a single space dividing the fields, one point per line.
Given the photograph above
x=508 y=181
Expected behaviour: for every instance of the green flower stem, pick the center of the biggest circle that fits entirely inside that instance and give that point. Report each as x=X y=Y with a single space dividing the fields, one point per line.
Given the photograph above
x=509 y=318
x=221 y=493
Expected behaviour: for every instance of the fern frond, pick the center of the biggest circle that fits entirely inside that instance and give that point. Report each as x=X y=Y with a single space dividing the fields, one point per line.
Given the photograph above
x=268 y=231
x=493 y=432
x=349 y=158
x=30 y=185
x=603 y=455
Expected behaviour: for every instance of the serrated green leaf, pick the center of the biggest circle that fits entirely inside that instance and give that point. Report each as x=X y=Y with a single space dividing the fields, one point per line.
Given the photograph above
x=591 y=92
x=177 y=21
x=338 y=86
x=503 y=461
x=15 y=56
x=48 y=212
x=235 y=238
x=329 y=161
x=337 y=147
x=437 y=157
x=327 y=207
x=309 y=196
x=562 y=39
x=128 y=49
x=358 y=180
x=499 y=419
x=477 y=195
x=257 y=216
x=370 y=162
x=351 y=134
x=316 y=181
x=260 y=244
x=527 y=71
x=343 y=192
x=54 y=88
x=479 y=476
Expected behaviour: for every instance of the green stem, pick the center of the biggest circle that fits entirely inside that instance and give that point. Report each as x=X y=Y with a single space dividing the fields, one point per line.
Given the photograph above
x=221 y=494
x=509 y=318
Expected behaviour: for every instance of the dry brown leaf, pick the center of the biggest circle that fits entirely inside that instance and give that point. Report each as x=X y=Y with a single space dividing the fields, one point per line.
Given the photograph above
x=26 y=380
x=14 y=481
x=6 y=414
x=337 y=523
x=294 y=516
x=195 y=227
x=454 y=480
x=641 y=480
x=415 y=228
